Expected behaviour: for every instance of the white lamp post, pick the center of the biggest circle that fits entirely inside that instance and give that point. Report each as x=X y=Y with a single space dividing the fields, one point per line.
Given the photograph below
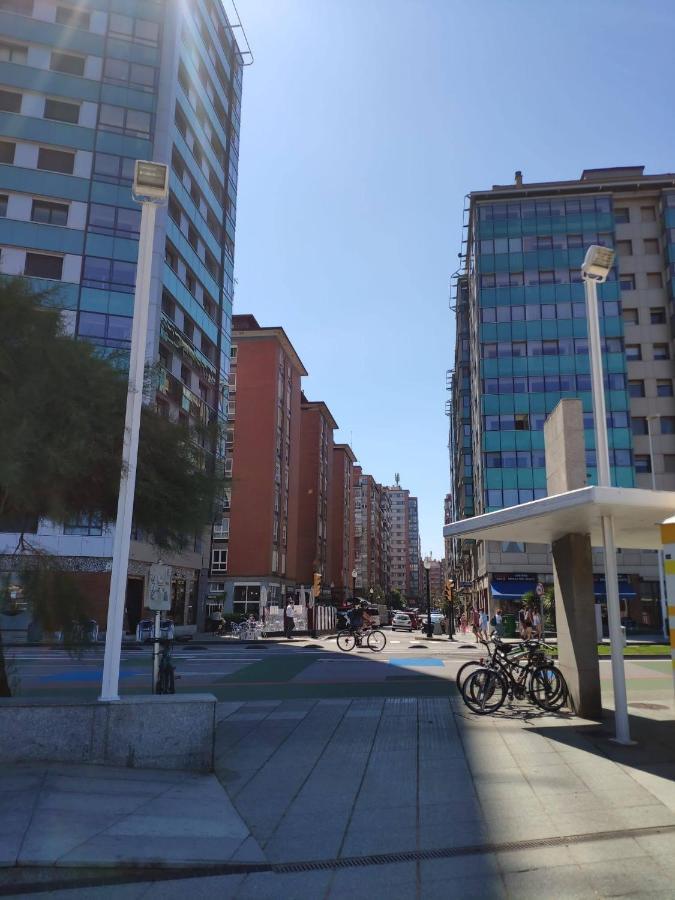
x=150 y=189
x=662 y=577
x=595 y=269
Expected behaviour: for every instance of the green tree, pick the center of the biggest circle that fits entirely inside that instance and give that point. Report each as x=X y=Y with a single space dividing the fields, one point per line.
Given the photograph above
x=62 y=412
x=396 y=599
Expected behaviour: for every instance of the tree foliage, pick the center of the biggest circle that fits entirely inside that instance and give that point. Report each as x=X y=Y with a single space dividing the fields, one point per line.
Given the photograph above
x=62 y=412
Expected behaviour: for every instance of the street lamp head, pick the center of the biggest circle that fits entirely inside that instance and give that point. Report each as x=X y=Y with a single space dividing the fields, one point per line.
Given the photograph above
x=354 y=573
x=151 y=182
x=597 y=263
x=427 y=563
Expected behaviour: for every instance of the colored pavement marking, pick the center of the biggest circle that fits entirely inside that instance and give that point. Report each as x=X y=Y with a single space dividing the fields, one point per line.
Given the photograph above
x=85 y=676
x=423 y=661
x=271 y=669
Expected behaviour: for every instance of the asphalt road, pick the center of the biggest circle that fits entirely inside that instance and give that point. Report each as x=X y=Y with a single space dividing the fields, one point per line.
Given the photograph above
x=410 y=665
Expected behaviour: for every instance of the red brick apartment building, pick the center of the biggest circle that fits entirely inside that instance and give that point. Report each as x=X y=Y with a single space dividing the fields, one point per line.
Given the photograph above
x=316 y=474
x=341 y=531
x=255 y=545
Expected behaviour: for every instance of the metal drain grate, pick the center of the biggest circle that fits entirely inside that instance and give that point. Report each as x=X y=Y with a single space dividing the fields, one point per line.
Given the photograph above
x=145 y=874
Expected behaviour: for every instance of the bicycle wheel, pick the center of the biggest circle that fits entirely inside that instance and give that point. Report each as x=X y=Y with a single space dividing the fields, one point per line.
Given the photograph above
x=346 y=640
x=463 y=671
x=547 y=688
x=484 y=691
x=377 y=641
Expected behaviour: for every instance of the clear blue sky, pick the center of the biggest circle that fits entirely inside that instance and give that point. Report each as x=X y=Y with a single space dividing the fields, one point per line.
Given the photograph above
x=364 y=124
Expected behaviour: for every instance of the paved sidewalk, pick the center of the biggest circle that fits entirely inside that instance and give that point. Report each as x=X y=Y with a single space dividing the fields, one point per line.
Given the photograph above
x=79 y=815
x=335 y=779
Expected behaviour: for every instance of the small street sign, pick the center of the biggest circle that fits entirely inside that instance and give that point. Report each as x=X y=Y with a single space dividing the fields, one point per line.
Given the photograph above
x=159 y=587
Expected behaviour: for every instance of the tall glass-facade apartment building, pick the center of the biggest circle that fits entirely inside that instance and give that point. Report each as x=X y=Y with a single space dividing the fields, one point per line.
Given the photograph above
x=85 y=90
x=522 y=345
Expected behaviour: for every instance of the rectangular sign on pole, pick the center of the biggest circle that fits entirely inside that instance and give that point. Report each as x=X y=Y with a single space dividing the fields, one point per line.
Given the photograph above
x=159 y=587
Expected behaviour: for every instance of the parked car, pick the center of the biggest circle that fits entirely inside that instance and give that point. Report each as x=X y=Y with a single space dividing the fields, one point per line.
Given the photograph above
x=402 y=622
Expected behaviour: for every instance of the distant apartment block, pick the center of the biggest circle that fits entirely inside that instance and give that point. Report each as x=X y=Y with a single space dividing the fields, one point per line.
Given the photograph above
x=341 y=531
x=315 y=491
x=85 y=90
x=403 y=554
x=522 y=345
x=255 y=543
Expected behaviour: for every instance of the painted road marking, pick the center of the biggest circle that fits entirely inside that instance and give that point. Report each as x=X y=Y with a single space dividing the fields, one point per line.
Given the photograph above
x=426 y=661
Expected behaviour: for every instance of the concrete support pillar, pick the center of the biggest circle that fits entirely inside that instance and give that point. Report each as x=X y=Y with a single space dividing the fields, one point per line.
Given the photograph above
x=575 y=620
x=572 y=563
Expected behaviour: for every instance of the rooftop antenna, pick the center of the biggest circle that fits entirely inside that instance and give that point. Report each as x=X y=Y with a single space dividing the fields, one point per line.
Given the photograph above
x=397 y=479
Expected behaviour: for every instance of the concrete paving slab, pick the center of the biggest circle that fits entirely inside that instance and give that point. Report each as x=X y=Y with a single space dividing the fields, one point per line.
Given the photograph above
x=627 y=878
x=53 y=833
x=270 y=886
x=602 y=851
x=477 y=887
x=224 y=887
x=567 y=881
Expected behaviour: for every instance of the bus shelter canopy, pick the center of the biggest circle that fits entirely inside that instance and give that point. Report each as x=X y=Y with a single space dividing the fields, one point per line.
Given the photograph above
x=637 y=514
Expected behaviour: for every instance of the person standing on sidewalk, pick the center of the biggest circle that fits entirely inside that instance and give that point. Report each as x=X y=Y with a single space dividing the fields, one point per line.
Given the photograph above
x=289 y=619
x=475 y=622
x=483 y=625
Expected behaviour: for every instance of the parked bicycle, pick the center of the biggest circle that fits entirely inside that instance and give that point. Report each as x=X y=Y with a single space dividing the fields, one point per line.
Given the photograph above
x=166 y=679
x=517 y=671
x=374 y=638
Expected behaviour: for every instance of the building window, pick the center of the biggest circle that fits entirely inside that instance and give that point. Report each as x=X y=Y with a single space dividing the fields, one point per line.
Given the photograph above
x=219 y=559
x=114 y=274
x=139 y=30
x=246 y=599
x=121 y=71
x=633 y=352
x=669 y=463
x=13 y=53
x=43 y=265
x=643 y=463
x=124 y=120
x=621 y=215
x=639 y=425
x=7 y=150
x=231 y=408
x=627 y=282
x=664 y=387
x=85 y=525
x=100 y=328
x=630 y=316
x=636 y=388
x=10 y=101
x=651 y=245
x=114 y=169
x=647 y=214
x=56 y=161
x=667 y=424
x=118 y=221
x=232 y=381
x=22 y=7
x=228 y=467
x=624 y=248
x=74 y=16
x=654 y=280
x=221 y=530
x=60 y=111
x=67 y=63
x=661 y=351
x=3 y=205
x=49 y=213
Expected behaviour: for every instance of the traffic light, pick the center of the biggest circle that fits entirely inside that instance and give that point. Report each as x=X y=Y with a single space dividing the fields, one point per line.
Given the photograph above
x=316 y=586
x=447 y=593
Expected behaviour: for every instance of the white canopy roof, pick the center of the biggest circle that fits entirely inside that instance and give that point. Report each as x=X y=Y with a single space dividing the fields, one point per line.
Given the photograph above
x=637 y=515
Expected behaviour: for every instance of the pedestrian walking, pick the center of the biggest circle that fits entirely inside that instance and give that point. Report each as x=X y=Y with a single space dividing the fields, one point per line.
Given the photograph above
x=483 y=625
x=289 y=620
x=536 y=624
x=475 y=622
x=462 y=623
x=497 y=623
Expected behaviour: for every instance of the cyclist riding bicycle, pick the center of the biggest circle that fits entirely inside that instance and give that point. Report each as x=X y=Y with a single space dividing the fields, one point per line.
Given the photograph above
x=359 y=617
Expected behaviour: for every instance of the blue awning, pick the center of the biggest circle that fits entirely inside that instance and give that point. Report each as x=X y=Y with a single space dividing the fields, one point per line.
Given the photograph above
x=511 y=590
x=514 y=590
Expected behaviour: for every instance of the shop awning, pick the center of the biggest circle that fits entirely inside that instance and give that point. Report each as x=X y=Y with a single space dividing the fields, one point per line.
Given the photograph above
x=511 y=590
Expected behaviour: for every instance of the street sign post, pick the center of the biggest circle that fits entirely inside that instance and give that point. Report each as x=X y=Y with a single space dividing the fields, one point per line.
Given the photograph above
x=159 y=598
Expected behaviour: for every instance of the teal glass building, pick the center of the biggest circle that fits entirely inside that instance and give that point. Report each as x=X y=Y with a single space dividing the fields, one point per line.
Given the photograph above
x=522 y=345
x=87 y=88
